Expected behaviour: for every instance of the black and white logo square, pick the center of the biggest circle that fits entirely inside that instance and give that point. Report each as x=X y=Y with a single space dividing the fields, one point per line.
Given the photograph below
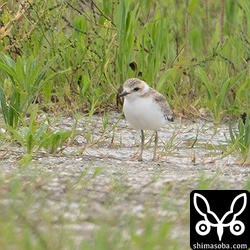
x=219 y=217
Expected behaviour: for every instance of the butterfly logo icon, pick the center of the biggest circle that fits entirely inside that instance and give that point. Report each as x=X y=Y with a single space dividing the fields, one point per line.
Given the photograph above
x=203 y=227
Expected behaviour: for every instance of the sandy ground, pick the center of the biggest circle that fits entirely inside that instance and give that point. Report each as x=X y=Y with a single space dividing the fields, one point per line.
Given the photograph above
x=108 y=183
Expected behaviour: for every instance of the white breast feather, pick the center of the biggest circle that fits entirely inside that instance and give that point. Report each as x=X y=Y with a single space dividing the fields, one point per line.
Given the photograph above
x=144 y=113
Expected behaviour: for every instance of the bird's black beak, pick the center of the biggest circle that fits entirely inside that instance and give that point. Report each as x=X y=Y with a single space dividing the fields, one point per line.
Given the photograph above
x=124 y=93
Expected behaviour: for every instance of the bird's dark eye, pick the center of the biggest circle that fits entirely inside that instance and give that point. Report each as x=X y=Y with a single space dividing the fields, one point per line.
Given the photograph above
x=136 y=89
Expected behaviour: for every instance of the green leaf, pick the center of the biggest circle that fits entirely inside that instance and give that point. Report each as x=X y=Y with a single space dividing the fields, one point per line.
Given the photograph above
x=210 y=90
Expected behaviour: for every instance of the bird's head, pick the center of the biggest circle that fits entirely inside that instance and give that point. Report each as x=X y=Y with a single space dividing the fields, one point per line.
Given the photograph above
x=134 y=87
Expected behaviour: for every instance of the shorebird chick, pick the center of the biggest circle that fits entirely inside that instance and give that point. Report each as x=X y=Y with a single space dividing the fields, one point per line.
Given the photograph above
x=145 y=109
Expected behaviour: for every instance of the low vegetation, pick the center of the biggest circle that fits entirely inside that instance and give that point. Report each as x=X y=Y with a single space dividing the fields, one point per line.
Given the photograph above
x=61 y=58
x=74 y=57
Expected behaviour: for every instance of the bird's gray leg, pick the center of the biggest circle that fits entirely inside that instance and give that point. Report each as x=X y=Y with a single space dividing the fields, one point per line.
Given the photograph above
x=142 y=145
x=156 y=144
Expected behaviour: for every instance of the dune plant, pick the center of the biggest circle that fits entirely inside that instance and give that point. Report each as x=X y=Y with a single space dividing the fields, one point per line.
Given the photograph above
x=24 y=78
x=194 y=52
x=100 y=40
x=217 y=96
x=34 y=136
x=127 y=13
x=240 y=138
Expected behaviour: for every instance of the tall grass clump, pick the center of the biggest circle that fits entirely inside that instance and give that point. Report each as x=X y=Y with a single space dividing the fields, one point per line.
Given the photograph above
x=240 y=139
x=165 y=43
x=22 y=82
x=217 y=98
x=21 y=86
x=127 y=13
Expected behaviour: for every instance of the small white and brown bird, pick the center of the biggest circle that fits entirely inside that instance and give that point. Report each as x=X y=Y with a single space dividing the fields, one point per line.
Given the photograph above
x=145 y=109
